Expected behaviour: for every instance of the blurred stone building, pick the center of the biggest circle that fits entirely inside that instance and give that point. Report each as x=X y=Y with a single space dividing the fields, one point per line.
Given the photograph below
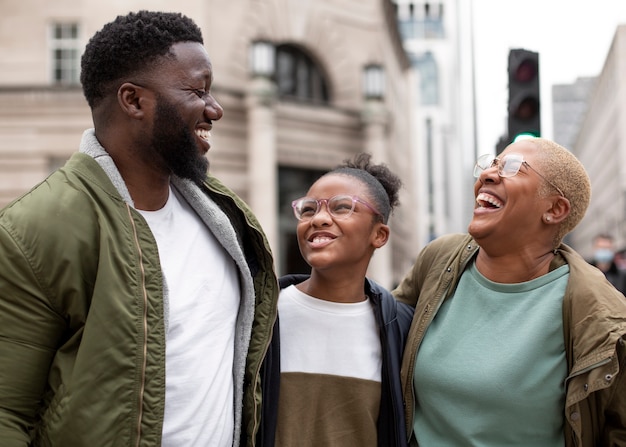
x=569 y=107
x=304 y=85
x=437 y=36
x=600 y=144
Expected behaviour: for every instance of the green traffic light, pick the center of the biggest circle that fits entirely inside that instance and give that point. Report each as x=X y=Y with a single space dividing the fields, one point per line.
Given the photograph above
x=525 y=136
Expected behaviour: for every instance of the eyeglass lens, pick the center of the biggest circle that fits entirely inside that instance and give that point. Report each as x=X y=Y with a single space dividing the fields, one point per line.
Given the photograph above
x=339 y=206
x=508 y=166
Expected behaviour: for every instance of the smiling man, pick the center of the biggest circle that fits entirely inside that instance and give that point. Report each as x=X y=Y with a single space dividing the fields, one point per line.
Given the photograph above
x=132 y=282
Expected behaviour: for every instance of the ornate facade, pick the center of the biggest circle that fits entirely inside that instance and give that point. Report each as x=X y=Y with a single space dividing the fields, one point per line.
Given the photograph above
x=304 y=85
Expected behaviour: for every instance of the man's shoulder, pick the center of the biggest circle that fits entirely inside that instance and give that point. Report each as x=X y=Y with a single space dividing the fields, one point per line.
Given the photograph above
x=67 y=198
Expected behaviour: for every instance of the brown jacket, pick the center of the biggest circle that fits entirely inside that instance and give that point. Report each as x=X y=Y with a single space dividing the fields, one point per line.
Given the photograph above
x=594 y=322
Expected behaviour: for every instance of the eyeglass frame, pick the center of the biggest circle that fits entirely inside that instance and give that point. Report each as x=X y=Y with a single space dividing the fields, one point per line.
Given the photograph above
x=496 y=161
x=319 y=202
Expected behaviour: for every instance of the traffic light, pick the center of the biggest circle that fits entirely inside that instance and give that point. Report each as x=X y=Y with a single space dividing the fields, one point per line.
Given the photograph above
x=524 y=117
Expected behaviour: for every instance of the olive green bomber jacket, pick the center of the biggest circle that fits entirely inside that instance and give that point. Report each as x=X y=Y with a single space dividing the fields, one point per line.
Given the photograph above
x=83 y=311
x=594 y=320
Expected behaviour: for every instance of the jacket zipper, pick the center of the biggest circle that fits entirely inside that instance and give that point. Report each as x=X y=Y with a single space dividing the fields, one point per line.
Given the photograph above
x=145 y=327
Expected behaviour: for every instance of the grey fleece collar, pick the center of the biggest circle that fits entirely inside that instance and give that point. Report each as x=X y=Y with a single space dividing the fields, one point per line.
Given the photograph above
x=90 y=145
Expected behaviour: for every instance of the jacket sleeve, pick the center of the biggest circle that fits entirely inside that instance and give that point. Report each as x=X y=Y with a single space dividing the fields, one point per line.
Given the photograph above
x=29 y=330
x=408 y=291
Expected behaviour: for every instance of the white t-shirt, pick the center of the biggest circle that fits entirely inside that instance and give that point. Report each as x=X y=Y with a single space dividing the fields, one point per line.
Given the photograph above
x=204 y=294
x=325 y=337
x=331 y=364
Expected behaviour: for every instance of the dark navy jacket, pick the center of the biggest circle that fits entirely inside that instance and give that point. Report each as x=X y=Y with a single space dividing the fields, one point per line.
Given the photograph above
x=394 y=319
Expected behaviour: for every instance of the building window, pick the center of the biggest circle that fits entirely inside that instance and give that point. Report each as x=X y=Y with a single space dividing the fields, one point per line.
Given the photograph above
x=65 y=53
x=420 y=20
x=298 y=77
x=429 y=78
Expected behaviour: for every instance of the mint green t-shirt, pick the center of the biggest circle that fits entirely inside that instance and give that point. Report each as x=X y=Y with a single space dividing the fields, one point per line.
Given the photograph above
x=491 y=368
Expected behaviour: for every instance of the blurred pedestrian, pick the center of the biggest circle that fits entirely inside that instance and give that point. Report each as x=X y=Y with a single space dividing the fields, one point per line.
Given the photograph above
x=604 y=258
x=137 y=292
x=333 y=370
x=516 y=339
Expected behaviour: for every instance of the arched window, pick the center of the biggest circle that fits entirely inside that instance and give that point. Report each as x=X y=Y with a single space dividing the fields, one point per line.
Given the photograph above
x=298 y=77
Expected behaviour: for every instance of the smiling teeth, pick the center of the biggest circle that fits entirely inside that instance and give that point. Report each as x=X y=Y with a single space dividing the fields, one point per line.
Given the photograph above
x=203 y=133
x=317 y=240
x=482 y=198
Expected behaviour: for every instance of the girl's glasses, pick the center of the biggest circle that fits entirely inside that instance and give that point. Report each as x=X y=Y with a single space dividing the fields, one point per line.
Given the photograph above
x=339 y=207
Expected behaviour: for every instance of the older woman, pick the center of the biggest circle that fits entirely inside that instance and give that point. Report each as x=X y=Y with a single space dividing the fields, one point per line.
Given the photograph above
x=516 y=340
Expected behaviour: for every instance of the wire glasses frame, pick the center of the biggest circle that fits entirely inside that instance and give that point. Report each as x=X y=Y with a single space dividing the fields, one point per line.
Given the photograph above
x=339 y=207
x=508 y=166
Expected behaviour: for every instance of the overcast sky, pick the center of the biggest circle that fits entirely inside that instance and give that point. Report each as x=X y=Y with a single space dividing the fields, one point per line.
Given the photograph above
x=572 y=38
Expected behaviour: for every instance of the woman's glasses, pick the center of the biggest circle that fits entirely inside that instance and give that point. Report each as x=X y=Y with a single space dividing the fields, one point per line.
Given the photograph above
x=339 y=207
x=508 y=166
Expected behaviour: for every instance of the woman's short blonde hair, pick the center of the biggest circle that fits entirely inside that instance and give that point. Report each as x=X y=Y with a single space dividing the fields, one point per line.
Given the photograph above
x=563 y=169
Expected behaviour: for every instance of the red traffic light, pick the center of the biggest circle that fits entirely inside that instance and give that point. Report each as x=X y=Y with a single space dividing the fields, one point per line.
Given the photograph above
x=526 y=71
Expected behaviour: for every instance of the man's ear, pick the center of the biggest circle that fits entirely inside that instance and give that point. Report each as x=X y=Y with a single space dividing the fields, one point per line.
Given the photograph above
x=132 y=99
x=381 y=235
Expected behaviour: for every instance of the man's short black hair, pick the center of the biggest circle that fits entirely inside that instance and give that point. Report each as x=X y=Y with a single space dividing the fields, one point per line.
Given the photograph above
x=129 y=44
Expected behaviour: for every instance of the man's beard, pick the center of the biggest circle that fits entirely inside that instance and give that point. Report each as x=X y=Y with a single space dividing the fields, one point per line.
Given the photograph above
x=176 y=145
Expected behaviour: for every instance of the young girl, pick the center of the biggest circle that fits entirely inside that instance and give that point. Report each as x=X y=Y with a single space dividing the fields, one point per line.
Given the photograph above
x=332 y=374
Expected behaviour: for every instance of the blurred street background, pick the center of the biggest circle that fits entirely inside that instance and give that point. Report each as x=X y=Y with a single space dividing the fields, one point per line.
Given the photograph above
x=424 y=86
